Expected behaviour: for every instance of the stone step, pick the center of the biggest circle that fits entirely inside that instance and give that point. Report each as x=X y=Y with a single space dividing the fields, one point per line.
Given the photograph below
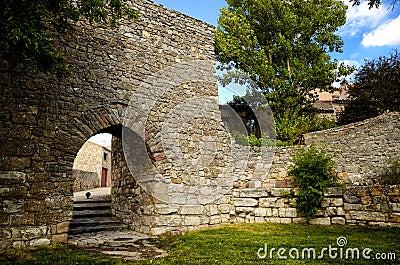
x=94 y=221
x=96 y=228
x=91 y=213
x=91 y=205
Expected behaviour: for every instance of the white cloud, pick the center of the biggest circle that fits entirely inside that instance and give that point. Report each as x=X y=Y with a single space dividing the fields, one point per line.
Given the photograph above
x=386 y=34
x=103 y=139
x=361 y=17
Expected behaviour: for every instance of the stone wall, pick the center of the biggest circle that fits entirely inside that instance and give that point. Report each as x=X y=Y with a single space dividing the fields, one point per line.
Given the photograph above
x=267 y=168
x=362 y=149
x=85 y=180
x=360 y=205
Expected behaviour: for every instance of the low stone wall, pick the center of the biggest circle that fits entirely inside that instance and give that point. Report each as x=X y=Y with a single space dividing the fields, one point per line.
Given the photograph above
x=362 y=149
x=85 y=180
x=362 y=205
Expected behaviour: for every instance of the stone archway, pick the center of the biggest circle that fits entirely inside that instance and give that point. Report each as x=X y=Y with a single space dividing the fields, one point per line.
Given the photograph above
x=45 y=119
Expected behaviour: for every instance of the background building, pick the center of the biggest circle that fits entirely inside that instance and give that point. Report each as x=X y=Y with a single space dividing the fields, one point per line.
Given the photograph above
x=92 y=167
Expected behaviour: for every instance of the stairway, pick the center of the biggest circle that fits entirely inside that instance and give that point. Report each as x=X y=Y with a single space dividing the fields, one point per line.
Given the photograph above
x=90 y=215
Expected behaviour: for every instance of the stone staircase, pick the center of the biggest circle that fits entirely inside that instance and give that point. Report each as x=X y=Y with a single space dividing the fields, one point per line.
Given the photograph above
x=91 y=215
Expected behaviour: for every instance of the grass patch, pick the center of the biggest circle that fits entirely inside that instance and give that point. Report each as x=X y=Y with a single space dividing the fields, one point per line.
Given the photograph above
x=234 y=244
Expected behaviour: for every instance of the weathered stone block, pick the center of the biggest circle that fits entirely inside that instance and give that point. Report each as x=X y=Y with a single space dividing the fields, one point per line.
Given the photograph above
x=260 y=212
x=192 y=220
x=62 y=227
x=351 y=198
x=287 y=212
x=357 y=207
x=39 y=242
x=395 y=207
x=216 y=219
x=273 y=220
x=340 y=211
x=279 y=191
x=211 y=209
x=395 y=217
x=336 y=202
x=272 y=212
x=254 y=193
x=321 y=221
x=244 y=209
x=224 y=208
x=331 y=211
x=245 y=202
x=368 y=216
x=155 y=231
x=338 y=220
x=166 y=208
x=192 y=209
x=225 y=218
x=299 y=220
x=31 y=233
x=59 y=239
x=19 y=244
x=268 y=202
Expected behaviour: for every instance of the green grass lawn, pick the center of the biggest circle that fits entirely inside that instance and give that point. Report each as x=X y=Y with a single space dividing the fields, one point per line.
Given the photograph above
x=238 y=244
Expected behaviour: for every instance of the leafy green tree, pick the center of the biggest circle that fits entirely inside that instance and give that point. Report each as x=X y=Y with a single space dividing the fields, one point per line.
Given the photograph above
x=30 y=29
x=376 y=89
x=283 y=46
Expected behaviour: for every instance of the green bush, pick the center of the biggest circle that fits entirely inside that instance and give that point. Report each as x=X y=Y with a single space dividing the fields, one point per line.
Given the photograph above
x=289 y=127
x=313 y=173
x=391 y=175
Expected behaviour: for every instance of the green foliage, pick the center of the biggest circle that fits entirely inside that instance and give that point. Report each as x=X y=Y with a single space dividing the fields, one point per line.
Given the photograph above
x=291 y=126
x=313 y=173
x=376 y=89
x=391 y=175
x=30 y=30
x=252 y=140
x=283 y=46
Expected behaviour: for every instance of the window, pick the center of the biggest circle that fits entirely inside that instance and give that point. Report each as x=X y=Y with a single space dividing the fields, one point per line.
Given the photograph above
x=105 y=156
